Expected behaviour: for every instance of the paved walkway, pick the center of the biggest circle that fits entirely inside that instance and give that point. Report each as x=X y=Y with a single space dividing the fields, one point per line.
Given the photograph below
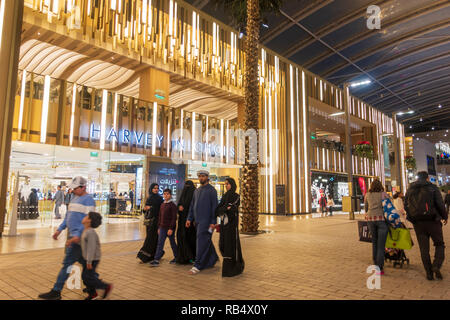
x=298 y=259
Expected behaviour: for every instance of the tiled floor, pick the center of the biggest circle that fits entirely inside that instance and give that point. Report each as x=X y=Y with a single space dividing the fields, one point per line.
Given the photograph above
x=299 y=259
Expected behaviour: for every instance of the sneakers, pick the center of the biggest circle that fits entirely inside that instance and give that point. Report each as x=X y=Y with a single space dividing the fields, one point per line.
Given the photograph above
x=92 y=296
x=173 y=261
x=154 y=263
x=107 y=291
x=51 y=295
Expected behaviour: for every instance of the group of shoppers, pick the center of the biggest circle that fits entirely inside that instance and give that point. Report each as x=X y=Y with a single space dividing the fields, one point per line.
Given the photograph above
x=197 y=213
x=424 y=207
x=326 y=204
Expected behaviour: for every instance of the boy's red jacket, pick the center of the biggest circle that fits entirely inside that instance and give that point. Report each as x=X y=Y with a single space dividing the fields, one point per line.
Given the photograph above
x=168 y=215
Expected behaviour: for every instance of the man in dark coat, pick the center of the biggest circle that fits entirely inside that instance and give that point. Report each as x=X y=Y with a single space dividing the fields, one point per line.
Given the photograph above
x=425 y=209
x=202 y=210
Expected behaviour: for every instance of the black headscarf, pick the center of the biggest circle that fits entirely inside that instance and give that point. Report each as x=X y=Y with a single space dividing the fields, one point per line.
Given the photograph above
x=230 y=196
x=154 y=201
x=186 y=195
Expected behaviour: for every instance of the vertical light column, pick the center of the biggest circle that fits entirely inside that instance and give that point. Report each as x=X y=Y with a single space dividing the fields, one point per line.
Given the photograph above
x=402 y=156
x=103 y=119
x=22 y=100
x=271 y=152
x=228 y=141
x=221 y=141
x=305 y=141
x=2 y=18
x=155 y=117
x=207 y=139
x=168 y=138
x=265 y=151
x=116 y=96
x=181 y=135
x=291 y=96
x=193 y=136
x=72 y=113
x=328 y=159
x=321 y=90
x=45 y=105
x=299 y=162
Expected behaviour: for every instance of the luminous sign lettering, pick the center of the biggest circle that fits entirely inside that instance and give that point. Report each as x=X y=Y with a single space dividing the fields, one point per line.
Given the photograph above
x=126 y=136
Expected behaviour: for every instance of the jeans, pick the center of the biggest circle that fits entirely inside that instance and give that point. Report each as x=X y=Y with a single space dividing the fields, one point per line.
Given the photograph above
x=57 y=214
x=330 y=209
x=90 y=278
x=73 y=254
x=379 y=231
x=161 y=240
x=424 y=230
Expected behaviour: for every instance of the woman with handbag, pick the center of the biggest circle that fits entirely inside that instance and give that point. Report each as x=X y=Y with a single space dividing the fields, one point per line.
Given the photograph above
x=186 y=237
x=151 y=213
x=229 y=243
x=373 y=204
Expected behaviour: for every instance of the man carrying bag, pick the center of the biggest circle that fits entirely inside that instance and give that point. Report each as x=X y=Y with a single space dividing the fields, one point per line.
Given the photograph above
x=425 y=209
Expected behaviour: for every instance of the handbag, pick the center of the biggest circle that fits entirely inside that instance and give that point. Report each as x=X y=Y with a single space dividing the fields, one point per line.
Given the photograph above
x=399 y=238
x=147 y=218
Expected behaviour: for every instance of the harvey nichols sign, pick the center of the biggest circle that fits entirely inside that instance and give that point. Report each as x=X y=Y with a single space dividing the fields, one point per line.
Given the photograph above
x=145 y=139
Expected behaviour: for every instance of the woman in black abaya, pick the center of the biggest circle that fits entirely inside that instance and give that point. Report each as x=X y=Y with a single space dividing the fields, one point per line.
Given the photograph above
x=229 y=243
x=186 y=237
x=151 y=213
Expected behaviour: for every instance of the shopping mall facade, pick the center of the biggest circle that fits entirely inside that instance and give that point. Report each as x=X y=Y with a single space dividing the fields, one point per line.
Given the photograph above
x=128 y=93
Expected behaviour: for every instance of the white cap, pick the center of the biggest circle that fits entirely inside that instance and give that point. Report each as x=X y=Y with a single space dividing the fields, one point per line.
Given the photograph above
x=205 y=172
x=77 y=182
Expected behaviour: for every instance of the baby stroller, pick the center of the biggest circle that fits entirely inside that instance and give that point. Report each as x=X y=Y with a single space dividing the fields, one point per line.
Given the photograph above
x=397 y=256
x=392 y=253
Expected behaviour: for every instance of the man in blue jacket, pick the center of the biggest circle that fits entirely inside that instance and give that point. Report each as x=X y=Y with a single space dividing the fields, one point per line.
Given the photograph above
x=80 y=205
x=203 y=212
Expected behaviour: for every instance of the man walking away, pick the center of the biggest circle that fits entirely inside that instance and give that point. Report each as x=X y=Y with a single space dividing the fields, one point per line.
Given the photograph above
x=202 y=211
x=425 y=209
x=59 y=200
x=80 y=205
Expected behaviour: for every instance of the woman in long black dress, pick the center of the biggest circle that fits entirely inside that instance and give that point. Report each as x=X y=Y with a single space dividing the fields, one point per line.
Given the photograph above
x=229 y=243
x=151 y=209
x=186 y=237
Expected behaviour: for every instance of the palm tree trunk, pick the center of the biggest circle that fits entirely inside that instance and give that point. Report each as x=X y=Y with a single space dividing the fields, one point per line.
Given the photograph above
x=250 y=192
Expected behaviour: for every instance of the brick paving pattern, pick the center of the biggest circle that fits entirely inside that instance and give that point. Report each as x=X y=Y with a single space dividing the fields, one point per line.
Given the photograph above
x=297 y=259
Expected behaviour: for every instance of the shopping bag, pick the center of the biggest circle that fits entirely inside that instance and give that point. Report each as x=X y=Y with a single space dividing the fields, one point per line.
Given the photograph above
x=62 y=210
x=398 y=238
x=364 y=232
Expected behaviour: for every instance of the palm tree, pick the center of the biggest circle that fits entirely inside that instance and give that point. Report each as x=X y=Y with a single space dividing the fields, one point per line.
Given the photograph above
x=249 y=14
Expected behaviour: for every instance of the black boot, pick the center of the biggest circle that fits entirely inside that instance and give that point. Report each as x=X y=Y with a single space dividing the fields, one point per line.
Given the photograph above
x=52 y=295
x=430 y=275
x=438 y=274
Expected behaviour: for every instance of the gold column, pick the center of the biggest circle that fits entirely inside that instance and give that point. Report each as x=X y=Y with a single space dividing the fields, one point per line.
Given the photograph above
x=9 y=59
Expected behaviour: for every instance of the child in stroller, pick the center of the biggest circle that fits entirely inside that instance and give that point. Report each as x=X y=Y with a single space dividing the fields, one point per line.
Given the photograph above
x=398 y=256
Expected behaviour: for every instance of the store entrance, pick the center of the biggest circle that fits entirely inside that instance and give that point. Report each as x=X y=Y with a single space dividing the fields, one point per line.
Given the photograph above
x=115 y=180
x=218 y=172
